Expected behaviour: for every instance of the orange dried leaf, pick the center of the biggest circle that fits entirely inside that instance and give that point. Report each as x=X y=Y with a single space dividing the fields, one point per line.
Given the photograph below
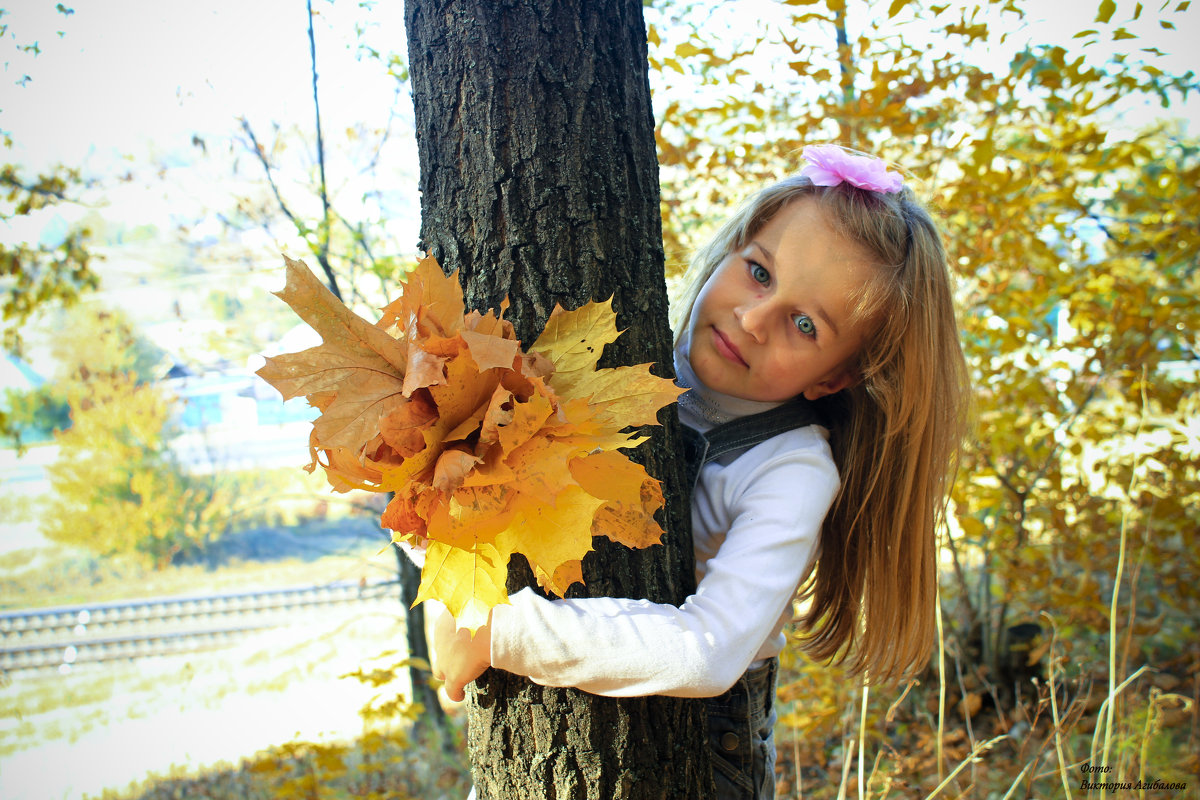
x=488 y=351
x=611 y=476
x=527 y=420
x=343 y=469
x=353 y=353
x=489 y=324
x=629 y=525
x=491 y=471
x=401 y=429
x=451 y=469
x=500 y=412
x=558 y=583
x=632 y=498
x=464 y=392
x=423 y=369
x=401 y=515
x=431 y=299
x=538 y=468
x=467 y=427
x=625 y=395
x=552 y=535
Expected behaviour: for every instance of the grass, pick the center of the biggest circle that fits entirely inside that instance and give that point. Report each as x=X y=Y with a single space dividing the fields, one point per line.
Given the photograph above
x=98 y=728
x=103 y=726
x=381 y=764
x=834 y=743
x=169 y=723
x=272 y=718
x=322 y=551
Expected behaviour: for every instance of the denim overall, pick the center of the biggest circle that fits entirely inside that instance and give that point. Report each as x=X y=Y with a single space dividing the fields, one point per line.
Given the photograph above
x=741 y=722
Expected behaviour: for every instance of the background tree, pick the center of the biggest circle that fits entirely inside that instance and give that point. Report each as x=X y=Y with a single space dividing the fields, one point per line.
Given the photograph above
x=54 y=270
x=1071 y=224
x=35 y=275
x=335 y=191
x=118 y=486
x=539 y=182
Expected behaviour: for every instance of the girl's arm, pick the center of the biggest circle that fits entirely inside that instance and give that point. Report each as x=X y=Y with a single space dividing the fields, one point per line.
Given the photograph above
x=772 y=501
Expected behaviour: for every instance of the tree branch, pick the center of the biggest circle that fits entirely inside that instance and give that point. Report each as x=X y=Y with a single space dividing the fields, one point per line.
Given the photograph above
x=302 y=229
x=323 y=232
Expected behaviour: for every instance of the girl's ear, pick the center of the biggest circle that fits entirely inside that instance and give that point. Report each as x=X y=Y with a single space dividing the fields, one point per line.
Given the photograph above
x=832 y=384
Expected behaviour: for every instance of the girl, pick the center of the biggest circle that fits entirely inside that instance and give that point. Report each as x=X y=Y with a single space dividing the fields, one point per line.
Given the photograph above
x=826 y=393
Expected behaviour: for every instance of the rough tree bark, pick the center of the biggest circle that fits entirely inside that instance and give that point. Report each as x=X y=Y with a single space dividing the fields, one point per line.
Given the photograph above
x=539 y=181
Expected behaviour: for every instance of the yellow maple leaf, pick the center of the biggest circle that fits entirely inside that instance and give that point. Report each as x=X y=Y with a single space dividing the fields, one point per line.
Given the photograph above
x=550 y=535
x=574 y=340
x=469 y=582
x=567 y=573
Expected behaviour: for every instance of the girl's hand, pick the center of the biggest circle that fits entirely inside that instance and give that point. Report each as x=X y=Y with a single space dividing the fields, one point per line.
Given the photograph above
x=458 y=657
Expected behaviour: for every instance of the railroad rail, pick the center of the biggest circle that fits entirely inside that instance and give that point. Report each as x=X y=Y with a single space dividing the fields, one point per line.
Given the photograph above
x=97 y=632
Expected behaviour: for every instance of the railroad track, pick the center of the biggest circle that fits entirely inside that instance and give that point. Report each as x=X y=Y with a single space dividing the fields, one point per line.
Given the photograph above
x=97 y=632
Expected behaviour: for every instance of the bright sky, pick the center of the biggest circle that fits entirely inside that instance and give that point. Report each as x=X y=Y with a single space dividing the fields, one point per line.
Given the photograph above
x=133 y=77
x=130 y=78
x=128 y=83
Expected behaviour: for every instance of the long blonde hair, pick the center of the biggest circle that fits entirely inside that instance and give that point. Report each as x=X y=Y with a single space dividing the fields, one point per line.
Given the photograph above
x=895 y=434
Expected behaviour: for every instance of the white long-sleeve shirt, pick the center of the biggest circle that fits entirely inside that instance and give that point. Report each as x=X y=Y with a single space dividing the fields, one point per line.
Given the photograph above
x=755 y=524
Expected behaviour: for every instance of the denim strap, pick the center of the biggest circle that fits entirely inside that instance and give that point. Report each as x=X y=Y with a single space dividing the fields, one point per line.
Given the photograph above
x=739 y=435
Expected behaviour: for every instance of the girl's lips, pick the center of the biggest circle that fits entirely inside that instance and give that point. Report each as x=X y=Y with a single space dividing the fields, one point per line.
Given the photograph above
x=727 y=348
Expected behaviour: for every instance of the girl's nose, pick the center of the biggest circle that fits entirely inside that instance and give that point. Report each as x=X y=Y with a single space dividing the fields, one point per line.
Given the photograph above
x=752 y=317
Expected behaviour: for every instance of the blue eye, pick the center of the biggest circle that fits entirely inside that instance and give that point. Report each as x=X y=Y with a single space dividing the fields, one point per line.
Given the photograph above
x=804 y=324
x=759 y=273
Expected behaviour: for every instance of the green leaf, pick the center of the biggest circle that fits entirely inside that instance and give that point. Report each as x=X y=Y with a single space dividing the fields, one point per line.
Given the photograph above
x=1107 y=8
x=895 y=7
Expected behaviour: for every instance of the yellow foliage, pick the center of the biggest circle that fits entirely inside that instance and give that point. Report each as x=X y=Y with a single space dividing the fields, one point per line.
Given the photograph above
x=118 y=488
x=1076 y=249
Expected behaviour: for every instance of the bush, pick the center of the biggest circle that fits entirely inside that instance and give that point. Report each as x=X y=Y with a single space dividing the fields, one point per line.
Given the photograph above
x=33 y=416
x=119 y=488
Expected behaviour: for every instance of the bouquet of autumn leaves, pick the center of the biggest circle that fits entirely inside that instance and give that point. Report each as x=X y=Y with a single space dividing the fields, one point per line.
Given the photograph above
x=490 y=450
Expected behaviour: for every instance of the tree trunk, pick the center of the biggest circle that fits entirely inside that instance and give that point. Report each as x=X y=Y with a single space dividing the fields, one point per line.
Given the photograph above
x=539 y=182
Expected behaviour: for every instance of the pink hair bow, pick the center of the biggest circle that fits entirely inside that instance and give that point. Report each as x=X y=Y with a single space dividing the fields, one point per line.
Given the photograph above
x=829 y=165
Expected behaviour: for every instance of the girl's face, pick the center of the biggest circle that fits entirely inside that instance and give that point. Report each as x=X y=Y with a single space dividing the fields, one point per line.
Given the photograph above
x=774 y=321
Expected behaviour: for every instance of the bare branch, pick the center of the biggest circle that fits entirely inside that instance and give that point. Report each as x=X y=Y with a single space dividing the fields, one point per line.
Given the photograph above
x=323 y=233
x=261 y=153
